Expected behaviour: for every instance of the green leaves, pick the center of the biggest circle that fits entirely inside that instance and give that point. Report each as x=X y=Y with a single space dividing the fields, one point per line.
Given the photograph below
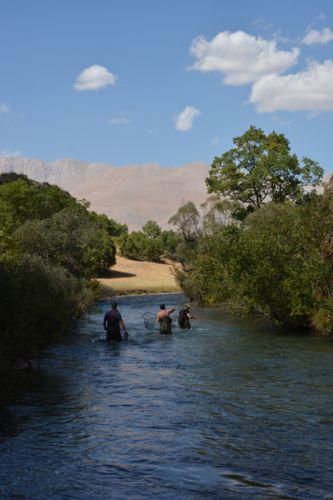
x=149 y=244
x=44 y=221
x=260 y=168
x=187 y=221
x=277 y=263
x=138 y=246
x=50 y=245
x=151 y=229
x=267 y=246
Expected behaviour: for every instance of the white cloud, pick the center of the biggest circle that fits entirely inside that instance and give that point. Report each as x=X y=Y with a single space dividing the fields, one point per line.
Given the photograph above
x=119 y=120
x=308 y=90
x=184 y=120
x=4 y=108
x=242 y=58
x=322 y=37
x=94 y=78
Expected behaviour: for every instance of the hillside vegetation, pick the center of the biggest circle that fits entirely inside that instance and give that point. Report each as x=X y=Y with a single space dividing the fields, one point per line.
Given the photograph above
x=51 y=247
x=265 y=243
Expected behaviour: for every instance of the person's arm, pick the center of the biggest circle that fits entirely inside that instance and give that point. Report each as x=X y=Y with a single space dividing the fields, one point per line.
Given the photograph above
x=105 y=322
x=190 y=316
x=170 y=311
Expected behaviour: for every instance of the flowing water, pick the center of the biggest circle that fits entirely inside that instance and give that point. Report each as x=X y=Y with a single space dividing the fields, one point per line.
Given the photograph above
x=230 y=409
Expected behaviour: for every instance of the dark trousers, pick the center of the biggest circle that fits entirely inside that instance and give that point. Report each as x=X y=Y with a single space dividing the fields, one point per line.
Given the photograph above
x=113 y=334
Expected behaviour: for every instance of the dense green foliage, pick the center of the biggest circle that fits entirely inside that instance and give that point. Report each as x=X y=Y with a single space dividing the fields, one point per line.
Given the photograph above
x=278 y=260
x=276 y=263
x=259 y=168
x=187 y=221
x=149 y=244
x=50 y=248
x=37 y=303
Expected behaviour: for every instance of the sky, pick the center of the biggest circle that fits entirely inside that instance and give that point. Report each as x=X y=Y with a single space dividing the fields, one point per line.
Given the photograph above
x=164 y=81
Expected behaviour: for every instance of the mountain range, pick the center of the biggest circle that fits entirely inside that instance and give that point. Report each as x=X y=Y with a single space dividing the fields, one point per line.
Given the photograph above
x=130 y=194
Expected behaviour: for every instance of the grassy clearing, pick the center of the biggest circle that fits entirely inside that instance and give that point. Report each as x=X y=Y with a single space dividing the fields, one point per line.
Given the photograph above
x=135 y=277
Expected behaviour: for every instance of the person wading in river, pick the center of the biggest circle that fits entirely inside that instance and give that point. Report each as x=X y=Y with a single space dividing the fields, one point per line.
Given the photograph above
x=163 y=318
x=184 y=317
x=112 y=323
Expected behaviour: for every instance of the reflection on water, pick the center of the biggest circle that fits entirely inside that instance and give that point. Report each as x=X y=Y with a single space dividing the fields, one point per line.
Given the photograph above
x=230 y=409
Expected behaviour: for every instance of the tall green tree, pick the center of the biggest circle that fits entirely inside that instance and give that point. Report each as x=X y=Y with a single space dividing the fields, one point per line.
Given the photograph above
x=187 y=221
x=151 y=229
x=261 y=168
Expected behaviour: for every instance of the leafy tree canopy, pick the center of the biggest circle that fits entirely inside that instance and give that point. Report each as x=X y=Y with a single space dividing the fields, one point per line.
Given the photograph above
x=22 y=199
x=138 y=246
x=261 y=168
x=187 y=221
x=151 y=229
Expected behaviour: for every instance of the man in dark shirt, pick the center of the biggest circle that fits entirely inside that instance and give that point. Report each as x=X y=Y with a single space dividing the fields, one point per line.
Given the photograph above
x=112 y=323
x=185 y=316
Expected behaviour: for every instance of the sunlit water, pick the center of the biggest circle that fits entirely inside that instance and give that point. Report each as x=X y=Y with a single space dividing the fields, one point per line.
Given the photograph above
x=230 y=409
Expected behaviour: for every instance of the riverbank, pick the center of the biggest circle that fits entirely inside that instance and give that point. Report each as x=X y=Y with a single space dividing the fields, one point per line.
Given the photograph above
x=132 y=277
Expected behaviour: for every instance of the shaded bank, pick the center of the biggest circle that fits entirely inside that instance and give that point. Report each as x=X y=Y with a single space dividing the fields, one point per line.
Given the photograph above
x=51 y=246
x=39 y=303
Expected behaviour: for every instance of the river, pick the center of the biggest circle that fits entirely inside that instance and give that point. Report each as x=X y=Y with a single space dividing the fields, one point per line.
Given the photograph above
x=231 y=409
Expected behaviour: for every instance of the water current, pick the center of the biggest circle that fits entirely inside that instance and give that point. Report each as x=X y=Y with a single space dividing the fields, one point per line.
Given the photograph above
x=233 y=408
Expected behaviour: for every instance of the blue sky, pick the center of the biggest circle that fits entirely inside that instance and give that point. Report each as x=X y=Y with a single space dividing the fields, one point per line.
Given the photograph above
x=171 y=82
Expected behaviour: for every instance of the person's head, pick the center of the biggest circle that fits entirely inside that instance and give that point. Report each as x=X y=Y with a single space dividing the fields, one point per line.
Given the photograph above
x=162 y=307
x=187 y=307
x=113 y=305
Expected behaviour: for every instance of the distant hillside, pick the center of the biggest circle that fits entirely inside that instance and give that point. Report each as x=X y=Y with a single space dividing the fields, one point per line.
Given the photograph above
x=130 y=194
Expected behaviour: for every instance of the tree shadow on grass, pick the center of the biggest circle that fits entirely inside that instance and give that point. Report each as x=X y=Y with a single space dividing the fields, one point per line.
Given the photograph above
x=117 y=274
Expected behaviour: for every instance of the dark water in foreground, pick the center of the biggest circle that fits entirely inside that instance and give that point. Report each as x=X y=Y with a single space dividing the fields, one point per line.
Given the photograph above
x=231 y=409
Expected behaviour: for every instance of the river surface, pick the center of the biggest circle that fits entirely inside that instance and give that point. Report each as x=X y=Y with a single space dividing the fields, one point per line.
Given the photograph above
x=230 y=409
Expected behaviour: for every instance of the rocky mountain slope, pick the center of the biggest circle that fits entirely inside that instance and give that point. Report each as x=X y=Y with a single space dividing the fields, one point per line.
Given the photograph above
x=130 y=194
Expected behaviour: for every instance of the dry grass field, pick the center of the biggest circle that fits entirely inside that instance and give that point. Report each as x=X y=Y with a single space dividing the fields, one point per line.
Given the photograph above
x=135 y=277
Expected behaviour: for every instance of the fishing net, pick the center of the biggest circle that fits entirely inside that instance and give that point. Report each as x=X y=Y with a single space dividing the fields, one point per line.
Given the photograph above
x=149 y=320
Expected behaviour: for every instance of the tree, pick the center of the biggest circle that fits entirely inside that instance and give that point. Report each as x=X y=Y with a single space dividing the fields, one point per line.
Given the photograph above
x=217 y=212
x=278 y=263
x=72 y=240
x=187 y=221
x=48 y=298
x=151 y=229
x=284 y=270
x=260 y=168
x=169 y=240
x=138 y=246
x=50 y=245
x=112 y=227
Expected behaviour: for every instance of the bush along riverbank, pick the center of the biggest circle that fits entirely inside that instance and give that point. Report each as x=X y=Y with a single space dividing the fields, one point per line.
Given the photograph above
x=265 y=243
x=51 y=247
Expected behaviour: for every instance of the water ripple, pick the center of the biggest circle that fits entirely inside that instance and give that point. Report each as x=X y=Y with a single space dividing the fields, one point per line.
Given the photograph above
x=230 y=409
